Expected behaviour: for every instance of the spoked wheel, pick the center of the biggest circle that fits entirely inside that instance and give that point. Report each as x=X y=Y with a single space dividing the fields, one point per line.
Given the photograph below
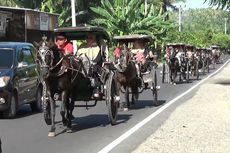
x=126 y=104
x=208 y=65
x=203 y=67
x=187 y=70
x=154 y=87
x=197 y=70
x=163 y=73
x=110 y=99
x=213 y=64
x=47 y=111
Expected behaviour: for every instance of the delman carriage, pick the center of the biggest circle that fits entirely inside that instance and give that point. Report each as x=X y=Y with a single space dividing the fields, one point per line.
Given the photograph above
x=176 y=61
x=86 y=76
x=193 y=60
x=203 y=58
x=135 y=64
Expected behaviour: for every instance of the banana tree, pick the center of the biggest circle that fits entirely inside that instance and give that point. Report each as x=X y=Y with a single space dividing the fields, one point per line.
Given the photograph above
x=126 y=17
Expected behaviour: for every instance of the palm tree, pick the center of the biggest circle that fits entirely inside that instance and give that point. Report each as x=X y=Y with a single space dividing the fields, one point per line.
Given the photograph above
x=219 y=3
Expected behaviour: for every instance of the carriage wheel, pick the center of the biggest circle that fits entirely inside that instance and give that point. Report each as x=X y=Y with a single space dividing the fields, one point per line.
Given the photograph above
x=187 y=70
x=126 y=104
x=203 y=67
x=110 y=99
x=154 y=87
x=208 y=65
x=163 y=73
x=47 y=111
x=214 y=64
x=197 y=70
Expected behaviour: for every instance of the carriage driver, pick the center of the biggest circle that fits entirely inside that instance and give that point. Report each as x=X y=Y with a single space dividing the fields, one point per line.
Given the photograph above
x=63 y=44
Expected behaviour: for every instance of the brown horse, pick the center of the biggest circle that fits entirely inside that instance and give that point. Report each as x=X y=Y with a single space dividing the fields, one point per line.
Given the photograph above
x=127 y=76
x=60 y=74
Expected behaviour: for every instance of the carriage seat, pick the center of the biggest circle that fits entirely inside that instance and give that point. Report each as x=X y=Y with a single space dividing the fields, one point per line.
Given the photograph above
x=89 y=52
x=93 y=58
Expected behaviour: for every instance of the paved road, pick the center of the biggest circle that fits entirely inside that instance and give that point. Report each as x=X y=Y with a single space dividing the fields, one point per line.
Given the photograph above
x=92 y=131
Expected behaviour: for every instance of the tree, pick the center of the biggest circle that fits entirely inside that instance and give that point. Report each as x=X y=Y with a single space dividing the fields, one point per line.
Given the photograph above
x=33 y=4
x=121 y=17
x=202 y=28
x=210 y=19
x=219 y=3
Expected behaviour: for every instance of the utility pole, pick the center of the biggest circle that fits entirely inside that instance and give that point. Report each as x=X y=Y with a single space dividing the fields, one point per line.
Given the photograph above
x=180 y=18
x=225 y=25
x=73 y=12
x=146 y=7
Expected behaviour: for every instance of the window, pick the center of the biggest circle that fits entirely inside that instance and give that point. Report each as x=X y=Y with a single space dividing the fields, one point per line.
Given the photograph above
x=26 y=56
x=6 y=58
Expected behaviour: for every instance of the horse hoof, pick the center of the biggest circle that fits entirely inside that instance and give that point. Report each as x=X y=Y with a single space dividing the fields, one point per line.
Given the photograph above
x=51 y=134
x=125 y=109
x=64 y=122
x=174 y=84
x=72 y=117
x=69 y=130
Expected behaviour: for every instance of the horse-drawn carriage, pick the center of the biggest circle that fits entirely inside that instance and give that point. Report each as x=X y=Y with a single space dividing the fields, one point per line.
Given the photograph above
x=175 y=61
x=216 y=55
x=86 y=76
x=194 y=61
x=135 y=65
x=203 y=58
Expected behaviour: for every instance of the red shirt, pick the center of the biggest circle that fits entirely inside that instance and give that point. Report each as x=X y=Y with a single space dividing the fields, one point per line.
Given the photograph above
x=117 y=52
x=67 y=49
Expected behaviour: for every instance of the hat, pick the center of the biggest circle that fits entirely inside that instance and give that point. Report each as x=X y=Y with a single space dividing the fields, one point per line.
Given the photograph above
x=61 y=35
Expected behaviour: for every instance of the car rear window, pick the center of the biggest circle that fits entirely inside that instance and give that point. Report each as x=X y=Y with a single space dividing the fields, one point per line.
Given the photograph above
x=6 y=58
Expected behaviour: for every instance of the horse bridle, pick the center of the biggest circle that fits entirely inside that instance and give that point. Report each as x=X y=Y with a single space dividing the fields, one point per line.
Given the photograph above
x=43 y=51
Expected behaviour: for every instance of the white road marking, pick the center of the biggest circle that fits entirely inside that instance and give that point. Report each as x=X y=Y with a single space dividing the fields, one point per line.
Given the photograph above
x=117 y=141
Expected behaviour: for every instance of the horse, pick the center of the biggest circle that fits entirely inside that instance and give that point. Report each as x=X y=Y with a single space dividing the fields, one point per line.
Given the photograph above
x=127 y=76
x=60 y=74
x=176 y=64
x=215 y=56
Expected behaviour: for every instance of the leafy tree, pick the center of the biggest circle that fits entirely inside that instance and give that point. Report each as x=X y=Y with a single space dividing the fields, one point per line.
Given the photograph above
x=33 y=4
x=222 y=4
x=210 y=19
x=121 y=17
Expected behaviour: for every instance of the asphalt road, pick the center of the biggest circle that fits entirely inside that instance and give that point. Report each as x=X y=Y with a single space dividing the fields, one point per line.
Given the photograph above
x=28 y=133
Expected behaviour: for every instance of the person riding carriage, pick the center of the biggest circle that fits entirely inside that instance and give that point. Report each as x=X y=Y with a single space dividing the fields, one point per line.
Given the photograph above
x=135 y=64
x=216 y=53
x=75 y=77
x=176 y=61
x=139 y=49
x=176 y=50
x=63 y=44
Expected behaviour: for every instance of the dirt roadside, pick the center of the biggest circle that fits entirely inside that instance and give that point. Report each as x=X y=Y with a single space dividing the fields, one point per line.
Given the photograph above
x=200 y=125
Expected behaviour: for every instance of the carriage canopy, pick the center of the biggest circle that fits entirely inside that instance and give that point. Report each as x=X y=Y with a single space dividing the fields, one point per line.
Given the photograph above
x=81 y=32
x=132 y=38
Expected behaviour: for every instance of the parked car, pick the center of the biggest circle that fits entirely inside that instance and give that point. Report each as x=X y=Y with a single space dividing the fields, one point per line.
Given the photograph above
x=19 y=78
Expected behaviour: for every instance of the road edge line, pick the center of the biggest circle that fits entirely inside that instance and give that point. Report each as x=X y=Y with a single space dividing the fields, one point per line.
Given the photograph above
x=136 y=127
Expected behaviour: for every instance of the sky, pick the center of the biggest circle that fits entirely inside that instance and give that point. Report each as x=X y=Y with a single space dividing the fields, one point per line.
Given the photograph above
x=193 y=4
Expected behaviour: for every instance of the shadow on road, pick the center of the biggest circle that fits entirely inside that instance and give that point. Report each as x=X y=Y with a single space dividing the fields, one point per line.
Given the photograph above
x=96 y=120
x=141 y=104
